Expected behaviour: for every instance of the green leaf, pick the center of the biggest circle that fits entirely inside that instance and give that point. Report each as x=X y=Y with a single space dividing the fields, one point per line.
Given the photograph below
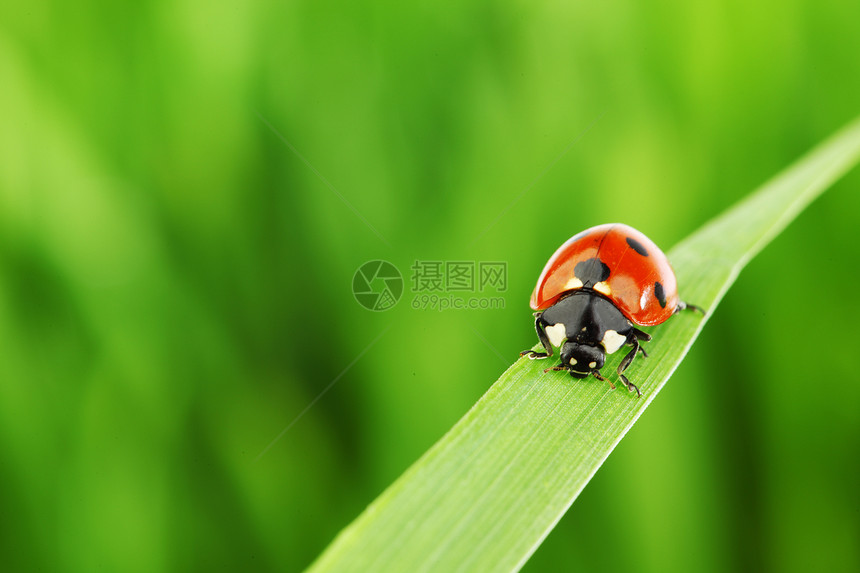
x=485 y=496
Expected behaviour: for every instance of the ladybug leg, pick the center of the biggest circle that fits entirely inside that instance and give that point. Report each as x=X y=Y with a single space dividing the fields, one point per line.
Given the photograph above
x=644 y=337
x=626 y=362
x=544 y=340
x=686 y=305
x=596 y=374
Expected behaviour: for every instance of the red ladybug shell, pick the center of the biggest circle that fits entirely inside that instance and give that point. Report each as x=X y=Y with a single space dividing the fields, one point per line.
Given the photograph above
x=640 y=282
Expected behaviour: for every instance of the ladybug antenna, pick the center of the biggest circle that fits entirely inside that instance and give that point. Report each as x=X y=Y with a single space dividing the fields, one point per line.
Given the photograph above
x=596 y=373
x=556 y=368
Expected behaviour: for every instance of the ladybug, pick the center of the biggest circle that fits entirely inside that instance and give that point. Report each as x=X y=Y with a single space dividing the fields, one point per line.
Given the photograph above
x=593 y=290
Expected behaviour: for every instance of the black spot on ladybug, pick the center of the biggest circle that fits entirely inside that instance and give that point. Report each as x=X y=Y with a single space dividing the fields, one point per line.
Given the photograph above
x=660 y=294
x=637 y=246
x=591 y=271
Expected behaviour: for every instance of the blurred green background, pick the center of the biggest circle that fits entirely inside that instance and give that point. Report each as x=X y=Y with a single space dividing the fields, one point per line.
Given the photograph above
x=187 y=188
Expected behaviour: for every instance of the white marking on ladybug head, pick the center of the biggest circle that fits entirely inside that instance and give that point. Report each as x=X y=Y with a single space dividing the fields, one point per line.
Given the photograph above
x=573 y=361
x=612 y=341
x=556 y=334
x=592 y=364
x=603 y=288
x=573 y=284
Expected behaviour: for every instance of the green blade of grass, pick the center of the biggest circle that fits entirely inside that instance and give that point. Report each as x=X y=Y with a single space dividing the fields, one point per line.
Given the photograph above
x=485 y=496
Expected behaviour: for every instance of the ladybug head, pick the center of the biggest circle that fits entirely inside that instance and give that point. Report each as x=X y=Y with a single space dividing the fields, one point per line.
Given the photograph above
x=582 y=359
